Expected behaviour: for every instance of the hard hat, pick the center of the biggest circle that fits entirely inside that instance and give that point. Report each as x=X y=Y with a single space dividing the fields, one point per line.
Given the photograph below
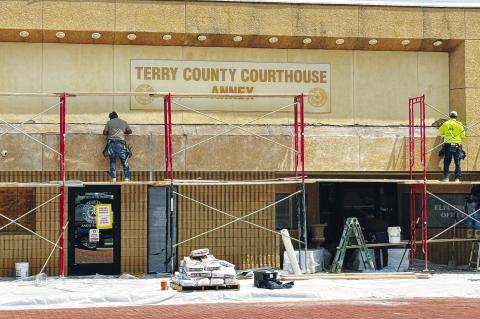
x=453 y=114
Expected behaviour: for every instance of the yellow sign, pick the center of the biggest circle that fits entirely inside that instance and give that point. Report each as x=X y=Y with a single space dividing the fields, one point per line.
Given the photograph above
x=104 y=216
x=219 y=77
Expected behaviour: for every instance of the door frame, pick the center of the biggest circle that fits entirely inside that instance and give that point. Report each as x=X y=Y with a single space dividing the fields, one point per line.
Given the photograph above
x=100 y=268
x=171 y=230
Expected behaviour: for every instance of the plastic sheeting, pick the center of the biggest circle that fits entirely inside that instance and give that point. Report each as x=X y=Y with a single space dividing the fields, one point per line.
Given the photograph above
x=317 y=261
x=107 y=292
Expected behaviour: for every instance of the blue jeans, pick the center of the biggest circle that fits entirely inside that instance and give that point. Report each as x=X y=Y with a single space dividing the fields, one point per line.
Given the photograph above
x=448 y=159
x=118 y=149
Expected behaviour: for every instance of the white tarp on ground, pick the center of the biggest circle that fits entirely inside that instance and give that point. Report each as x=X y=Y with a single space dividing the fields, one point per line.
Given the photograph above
x=102 y=292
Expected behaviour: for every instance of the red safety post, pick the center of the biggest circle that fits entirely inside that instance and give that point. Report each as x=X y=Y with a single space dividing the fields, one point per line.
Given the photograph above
x=167 y=118
x=61 y=242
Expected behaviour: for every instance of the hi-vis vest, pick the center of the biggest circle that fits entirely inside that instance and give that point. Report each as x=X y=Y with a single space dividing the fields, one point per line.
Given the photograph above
x=452 y=131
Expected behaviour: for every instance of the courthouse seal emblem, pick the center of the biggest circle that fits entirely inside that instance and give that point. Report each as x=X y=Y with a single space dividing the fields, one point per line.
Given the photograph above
x=144 y=99
x=318 y=98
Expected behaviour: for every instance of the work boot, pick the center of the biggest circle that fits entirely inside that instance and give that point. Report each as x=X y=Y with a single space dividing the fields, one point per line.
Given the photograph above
x=446 y=179
x=114 y=180
x=470 y=233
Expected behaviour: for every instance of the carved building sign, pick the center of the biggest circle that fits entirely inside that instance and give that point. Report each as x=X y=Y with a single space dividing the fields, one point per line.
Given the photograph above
x=230 y=77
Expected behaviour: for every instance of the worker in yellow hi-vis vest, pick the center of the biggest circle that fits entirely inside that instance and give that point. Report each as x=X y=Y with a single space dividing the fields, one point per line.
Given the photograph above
x=453 y=132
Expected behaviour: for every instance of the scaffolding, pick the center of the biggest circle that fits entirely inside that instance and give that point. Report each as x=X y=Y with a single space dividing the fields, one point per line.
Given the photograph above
x=419 y=186
x=416 y=186
x=170 y=182
x=299 y=168
x=60 y=241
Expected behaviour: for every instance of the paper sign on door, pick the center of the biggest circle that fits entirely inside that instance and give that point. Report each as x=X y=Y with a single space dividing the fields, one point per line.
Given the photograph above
x=94 y=235
x=104 y=216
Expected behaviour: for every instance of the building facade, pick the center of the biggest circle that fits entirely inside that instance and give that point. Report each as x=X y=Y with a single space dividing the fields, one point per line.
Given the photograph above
x=358 y=66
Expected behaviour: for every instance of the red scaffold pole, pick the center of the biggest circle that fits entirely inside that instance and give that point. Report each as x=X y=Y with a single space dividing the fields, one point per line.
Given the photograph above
x=295 y=128
x=165 y=136
x=302 y=136
x=170 y=135
x=61 y=243
x=413 y=215
x=424 y=188
x=167 y=118
x=418 y=188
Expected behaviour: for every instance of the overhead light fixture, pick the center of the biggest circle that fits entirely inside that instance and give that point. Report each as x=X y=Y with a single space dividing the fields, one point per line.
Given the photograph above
x=96 y=35
x=373 y=41
x=273 y=40
x=438 y=43
x=131 y=36
x=340 y=41
x=237 y=38
x=202 y=37
x=405 y=42
x=60 y=35
x=168 y=37
x=307 y=41
x=24 y=34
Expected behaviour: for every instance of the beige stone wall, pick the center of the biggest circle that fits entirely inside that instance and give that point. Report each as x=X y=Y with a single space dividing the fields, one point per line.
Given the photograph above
x=366 y=87
x=238 y=18
x=447 y=77
x=327 y=149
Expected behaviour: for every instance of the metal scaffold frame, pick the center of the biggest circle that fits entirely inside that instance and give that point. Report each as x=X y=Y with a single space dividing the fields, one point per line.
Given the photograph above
x=420 y=186
x=416 y=186
x=299 y=167
x=298 y=151
x=60 y=241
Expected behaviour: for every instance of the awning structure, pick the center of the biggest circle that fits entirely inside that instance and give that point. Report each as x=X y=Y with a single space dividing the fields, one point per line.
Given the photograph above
x=394 y=3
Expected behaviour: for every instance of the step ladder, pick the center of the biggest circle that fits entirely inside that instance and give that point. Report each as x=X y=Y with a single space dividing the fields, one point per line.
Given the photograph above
x=474 y=263
x=352 y=227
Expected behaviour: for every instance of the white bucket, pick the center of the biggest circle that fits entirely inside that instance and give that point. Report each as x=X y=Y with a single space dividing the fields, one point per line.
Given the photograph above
x=394 y=234
x=21 y=270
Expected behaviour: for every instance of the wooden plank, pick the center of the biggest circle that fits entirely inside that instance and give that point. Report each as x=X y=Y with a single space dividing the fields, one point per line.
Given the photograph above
x=174 y=94
x=418 y=242
x=358 y=276
x=180 y=288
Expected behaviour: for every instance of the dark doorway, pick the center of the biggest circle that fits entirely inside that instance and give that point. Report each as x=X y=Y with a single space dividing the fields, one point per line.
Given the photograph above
x=162 y=229
x=338 y=201
x=94 y=230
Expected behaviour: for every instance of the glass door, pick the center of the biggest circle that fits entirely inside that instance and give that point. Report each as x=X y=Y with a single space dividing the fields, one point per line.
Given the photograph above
x=94 y=230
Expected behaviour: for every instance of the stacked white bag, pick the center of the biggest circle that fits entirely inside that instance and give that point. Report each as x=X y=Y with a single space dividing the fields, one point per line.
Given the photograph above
x=203 y=269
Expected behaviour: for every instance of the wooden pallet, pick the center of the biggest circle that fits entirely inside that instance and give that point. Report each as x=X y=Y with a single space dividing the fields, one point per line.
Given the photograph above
x=181 y=288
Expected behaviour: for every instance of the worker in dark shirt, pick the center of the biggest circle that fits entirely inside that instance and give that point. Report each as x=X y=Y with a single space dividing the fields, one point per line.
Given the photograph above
x=116 y=129
x=377 y=229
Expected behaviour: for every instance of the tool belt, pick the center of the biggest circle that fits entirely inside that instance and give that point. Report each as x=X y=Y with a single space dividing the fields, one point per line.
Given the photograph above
x=117 y=141
x=452 y=148
x=107 y=151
